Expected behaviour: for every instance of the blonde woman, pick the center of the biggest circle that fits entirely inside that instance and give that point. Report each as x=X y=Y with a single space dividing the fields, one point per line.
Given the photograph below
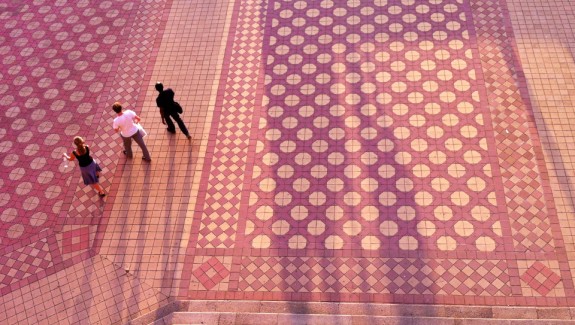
x=89 y=168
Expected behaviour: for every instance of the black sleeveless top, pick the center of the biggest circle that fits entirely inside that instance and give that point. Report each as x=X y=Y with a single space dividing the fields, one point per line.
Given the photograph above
x=85 y=159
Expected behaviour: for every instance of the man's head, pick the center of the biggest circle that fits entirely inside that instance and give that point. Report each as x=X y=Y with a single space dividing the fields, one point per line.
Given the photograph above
x=117 y=107
x=159 y=86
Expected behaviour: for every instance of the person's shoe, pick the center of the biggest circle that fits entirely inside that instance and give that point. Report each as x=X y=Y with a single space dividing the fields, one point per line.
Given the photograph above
x=102 y=194
x=146 y=159
x=189 y=137
x=171 y=131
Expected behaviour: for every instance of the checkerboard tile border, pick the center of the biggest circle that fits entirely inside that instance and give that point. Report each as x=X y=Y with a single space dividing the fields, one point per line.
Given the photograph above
x=224 y=178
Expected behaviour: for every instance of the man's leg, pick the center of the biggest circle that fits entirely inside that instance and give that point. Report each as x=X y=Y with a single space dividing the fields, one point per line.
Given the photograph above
x=140 y=141
x=181 y=124
x=127 y=146
x=169 y=123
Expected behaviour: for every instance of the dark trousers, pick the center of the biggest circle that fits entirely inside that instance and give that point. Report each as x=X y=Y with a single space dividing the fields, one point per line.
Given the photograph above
x=171 y=126
x=140 y=141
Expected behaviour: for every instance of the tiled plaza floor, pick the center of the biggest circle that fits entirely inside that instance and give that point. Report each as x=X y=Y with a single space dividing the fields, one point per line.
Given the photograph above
x=387 y=151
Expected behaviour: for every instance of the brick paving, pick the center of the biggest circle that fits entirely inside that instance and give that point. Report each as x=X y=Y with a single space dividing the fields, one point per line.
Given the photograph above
x=384 y=151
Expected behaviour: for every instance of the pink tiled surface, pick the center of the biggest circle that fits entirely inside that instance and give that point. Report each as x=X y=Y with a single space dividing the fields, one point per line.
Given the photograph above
x=71 y=60
x=61 y=57
x=393 y=131
x=56 y=59
x=348 y=151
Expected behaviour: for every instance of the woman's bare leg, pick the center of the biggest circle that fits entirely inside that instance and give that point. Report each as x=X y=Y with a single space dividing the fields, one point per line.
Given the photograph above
x=98 y=188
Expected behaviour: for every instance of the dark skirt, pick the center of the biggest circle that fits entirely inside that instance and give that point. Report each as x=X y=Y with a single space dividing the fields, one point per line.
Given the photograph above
x=89 y=173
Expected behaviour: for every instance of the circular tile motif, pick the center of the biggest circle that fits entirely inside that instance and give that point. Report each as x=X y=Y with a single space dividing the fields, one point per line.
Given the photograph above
x=53 y=67
x=372 y=112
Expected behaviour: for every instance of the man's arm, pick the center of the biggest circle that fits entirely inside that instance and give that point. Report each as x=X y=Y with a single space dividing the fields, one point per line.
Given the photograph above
x=115 y=127
x=162 y=115
x=161 y=110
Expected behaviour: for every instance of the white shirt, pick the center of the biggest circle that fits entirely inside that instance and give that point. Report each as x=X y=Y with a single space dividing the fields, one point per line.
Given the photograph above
x=125 y=123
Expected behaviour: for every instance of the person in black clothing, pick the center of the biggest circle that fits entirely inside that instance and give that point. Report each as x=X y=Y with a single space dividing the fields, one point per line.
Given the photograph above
x=89 y=168
x=169 y=109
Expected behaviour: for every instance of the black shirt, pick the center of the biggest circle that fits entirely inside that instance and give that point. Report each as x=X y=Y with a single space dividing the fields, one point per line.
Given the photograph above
x=165 y=100
x=85 y=159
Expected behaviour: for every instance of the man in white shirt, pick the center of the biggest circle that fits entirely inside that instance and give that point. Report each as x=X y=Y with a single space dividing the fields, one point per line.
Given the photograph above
x=126 y=124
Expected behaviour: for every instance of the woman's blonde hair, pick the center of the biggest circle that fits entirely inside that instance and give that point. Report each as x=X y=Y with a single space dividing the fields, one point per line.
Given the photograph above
x=79 y=142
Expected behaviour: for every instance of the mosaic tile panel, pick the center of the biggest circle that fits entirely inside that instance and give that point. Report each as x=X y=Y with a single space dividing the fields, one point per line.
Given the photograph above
x=374 y=275
x=374 y=131
x=56 y=55
x=49 y=219
x=541 y=278
x=381 y=134
x=211 y=273
x=66 y=87
x=220 y=210
x=24 y=262
x=525 y=198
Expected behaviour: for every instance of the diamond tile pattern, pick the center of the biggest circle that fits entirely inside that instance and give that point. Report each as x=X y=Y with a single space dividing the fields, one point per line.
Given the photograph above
x=385 y=129
x=328 y=150
x=77 y=62
x=525 y=200
x=57 y=66
x=345 y=151
x=24 y=262
x=211 y=272
x=221 y=208
x=75 y=240
x=369 y=275
x=540 y=278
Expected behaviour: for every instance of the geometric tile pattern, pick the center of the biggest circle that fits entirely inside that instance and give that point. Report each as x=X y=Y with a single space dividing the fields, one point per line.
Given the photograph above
x=376 y=276
x=211 y=272
x=83 y=48
x=55 y=59
x=75 y=240
x=24 y=262
x=371 y=151
x=226 y=176
x=374 y=133
x=540 y=278
x=529 y=216
x=393 y=135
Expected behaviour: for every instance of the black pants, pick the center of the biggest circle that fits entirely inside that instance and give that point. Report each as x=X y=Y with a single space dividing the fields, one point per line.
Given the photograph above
x=176 y=117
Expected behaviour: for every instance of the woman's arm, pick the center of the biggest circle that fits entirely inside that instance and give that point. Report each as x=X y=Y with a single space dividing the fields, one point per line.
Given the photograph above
x=70 y=157
x=137 y=119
